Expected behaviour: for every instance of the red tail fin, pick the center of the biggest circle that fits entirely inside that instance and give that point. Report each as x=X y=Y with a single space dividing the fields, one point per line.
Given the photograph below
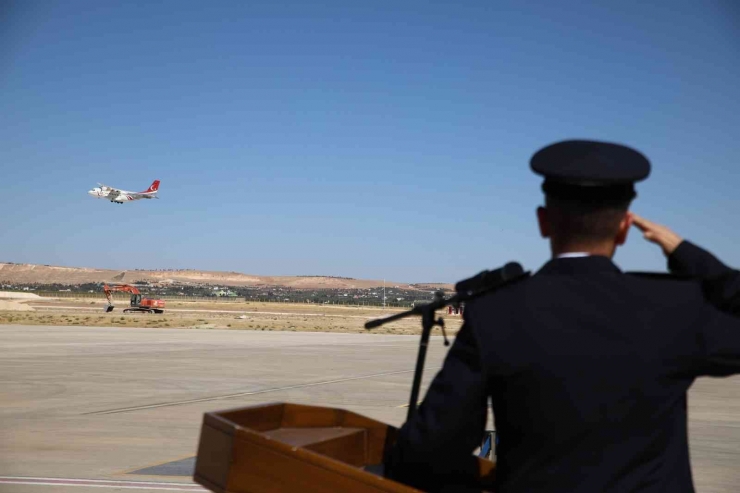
x=153 y=187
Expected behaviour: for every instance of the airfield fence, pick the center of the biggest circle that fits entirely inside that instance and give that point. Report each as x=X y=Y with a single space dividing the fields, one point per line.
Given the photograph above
x=220 y=299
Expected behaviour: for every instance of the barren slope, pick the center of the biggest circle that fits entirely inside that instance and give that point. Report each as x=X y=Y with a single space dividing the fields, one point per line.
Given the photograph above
x=46 y=274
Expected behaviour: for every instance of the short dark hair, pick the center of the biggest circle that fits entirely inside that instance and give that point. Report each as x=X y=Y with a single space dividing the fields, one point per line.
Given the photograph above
x=580 y=221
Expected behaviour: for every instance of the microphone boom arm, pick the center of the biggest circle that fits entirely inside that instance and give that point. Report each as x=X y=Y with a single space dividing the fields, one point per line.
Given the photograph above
x=482 y=284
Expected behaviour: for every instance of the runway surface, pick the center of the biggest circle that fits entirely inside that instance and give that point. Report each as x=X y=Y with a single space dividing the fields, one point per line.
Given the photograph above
x=195 y=310
x=85 y=408
x=102 y=403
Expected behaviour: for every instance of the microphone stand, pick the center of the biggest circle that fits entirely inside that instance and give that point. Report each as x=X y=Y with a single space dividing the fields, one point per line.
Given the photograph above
x=428 y=321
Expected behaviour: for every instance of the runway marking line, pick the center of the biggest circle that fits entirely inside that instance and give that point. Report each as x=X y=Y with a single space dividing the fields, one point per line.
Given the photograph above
x=244 y=394
x=101 y=483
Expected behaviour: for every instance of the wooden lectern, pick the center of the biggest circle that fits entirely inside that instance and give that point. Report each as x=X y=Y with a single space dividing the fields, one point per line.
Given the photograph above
x=288 y=448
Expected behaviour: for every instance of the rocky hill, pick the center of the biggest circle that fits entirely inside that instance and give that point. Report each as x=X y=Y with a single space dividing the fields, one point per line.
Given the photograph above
x=11 y=273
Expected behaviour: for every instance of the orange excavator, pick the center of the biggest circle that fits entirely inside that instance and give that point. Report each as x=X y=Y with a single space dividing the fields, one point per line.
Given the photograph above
x=138 y=304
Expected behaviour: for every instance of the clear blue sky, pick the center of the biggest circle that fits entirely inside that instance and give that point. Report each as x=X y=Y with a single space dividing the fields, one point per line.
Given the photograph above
x=360 y=139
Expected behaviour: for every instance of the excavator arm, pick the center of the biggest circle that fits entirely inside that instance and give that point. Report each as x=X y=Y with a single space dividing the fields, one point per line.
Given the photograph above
x=109 y=289
x=108 y=308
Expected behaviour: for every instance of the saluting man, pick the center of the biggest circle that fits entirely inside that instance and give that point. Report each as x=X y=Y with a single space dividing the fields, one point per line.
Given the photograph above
x=587 y=367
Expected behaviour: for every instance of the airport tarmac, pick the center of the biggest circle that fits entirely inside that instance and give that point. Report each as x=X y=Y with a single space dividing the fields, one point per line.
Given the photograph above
x=121 y=408
x=104 y=403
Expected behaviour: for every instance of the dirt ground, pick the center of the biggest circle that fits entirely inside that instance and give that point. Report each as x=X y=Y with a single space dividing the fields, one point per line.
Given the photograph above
x=294 y=317
x=14 y=306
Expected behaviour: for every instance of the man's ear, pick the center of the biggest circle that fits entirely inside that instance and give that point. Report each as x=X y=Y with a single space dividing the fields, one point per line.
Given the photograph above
x=543 y=222
x=624 y=228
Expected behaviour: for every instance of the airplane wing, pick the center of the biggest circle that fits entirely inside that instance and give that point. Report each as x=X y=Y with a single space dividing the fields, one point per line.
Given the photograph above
x=111 y=190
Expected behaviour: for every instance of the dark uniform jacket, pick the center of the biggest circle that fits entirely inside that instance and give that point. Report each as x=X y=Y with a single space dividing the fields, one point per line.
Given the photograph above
x=587 y=369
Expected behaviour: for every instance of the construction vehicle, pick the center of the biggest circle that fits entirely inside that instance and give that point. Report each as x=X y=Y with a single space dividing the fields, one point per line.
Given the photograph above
x=138 y=304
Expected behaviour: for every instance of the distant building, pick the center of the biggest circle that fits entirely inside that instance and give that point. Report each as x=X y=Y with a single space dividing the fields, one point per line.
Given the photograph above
x=228 y=293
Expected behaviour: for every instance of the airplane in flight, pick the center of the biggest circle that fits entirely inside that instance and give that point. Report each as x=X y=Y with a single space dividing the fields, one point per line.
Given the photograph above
x=121 y=196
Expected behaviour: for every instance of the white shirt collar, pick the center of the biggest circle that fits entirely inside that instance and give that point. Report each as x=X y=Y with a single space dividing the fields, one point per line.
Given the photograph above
x=573 y=255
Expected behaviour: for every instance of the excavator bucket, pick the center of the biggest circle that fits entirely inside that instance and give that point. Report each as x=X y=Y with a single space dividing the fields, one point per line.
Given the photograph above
x=108 y=308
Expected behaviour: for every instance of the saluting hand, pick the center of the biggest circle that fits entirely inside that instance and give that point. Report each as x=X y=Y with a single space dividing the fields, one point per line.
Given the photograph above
x=658 y=234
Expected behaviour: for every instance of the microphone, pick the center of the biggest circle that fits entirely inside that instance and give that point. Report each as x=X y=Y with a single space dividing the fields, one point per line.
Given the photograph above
x=489 y=279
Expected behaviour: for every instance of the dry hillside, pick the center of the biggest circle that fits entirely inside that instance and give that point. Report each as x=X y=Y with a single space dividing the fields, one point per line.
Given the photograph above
x=47 y=274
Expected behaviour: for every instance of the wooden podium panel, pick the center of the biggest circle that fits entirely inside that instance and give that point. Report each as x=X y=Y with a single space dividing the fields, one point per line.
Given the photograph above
x=281 y=448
